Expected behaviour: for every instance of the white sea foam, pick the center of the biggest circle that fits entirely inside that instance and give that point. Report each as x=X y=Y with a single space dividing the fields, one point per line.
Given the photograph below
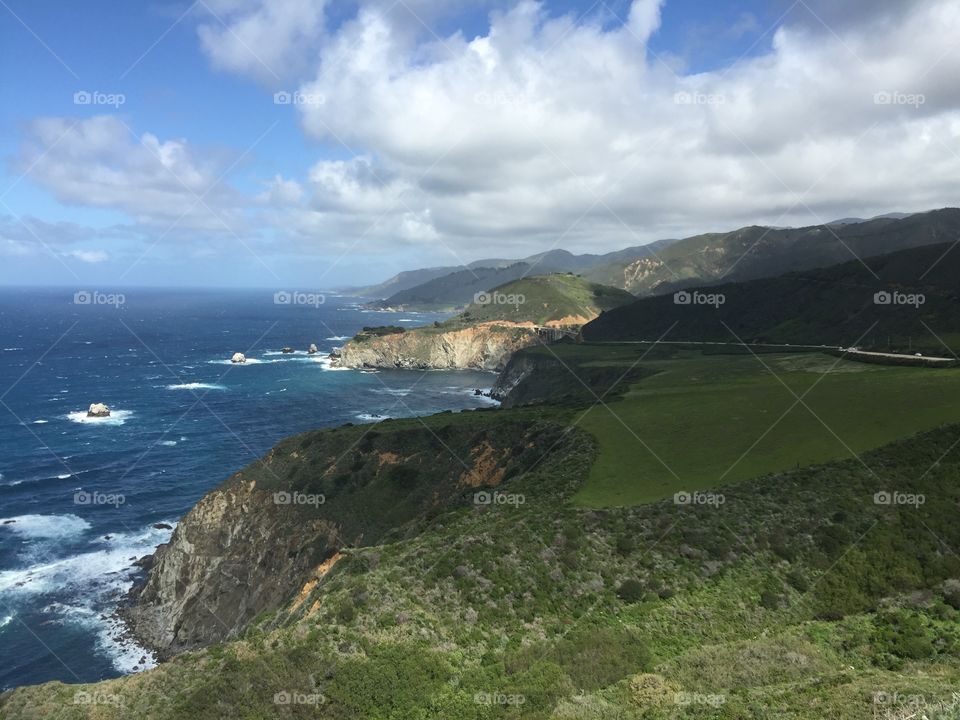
x=327 y=364
x=365 y=417
x=40 y=422
x=339 y=338
x=228 y=361
x=168 y=443
x=197 y=386
x=93 y=581
x=44 y=527
x=116 y=417
x=400 y=392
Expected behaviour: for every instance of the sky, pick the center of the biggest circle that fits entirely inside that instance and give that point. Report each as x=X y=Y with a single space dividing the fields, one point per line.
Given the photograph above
x=327 y=143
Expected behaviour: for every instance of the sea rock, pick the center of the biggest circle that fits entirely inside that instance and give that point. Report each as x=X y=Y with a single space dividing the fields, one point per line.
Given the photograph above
x=312 y=349
x=238 y=358
x=162 y=526
x=286 y=350
x=98 y=410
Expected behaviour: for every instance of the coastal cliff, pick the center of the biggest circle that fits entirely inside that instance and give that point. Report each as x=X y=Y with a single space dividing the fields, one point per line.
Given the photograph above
x=285 y=521
x=487 y=346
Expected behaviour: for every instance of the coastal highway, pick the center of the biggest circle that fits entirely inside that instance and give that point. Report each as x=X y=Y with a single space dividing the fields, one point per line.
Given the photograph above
x=787 y=346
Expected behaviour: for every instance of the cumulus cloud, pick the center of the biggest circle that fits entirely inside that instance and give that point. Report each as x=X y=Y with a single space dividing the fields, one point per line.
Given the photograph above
x=549 y=129
x=543 y=130
x=100 y=162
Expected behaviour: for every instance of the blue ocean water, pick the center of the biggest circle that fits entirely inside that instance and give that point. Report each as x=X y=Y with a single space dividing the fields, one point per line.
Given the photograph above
x=79 y=498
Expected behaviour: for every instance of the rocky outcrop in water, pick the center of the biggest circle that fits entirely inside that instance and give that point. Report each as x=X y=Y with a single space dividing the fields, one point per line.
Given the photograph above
x=98 y=410
x=238 y=358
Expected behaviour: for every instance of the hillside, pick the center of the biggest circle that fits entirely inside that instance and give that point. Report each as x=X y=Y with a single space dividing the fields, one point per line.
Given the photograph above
x=832 y=306
x=495 y=324
x=758 y=252
x=482 y=591
x=456 y=287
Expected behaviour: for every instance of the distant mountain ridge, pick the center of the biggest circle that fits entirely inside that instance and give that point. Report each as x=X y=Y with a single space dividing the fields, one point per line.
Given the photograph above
x=904 y=301
x=667 y=265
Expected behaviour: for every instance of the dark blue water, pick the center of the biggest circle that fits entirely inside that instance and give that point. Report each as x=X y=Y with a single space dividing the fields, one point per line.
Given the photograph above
x=83 y=495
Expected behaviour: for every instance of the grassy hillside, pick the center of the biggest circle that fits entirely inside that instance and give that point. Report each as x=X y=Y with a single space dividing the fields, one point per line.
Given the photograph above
x=558 y=298
x=685 y=421
x=831 y=306
x=797 y=597
x=757 y=252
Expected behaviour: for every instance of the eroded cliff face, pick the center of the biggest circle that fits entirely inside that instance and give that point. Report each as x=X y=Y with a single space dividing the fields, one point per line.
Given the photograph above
x=482 y=347
x=208 y=582
x=282 y=523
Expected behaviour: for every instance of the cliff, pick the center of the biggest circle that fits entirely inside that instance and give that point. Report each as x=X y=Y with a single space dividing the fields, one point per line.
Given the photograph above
x=486 y=346
x=283 y=522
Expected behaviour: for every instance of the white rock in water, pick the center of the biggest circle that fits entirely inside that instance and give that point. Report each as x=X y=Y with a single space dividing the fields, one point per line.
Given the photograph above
x=312 y=349
x=238 y=358
x=98 y=410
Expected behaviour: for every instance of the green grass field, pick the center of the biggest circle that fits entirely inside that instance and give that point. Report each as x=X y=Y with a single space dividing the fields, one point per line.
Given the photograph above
x=705 y=421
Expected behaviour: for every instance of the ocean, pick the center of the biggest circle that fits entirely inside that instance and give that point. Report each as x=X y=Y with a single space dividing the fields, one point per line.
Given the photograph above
x=82 y=498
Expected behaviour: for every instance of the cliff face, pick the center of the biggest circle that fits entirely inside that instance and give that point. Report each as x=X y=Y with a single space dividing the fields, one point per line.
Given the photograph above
x=209 y=580
x=281 y=523
x=486 y=346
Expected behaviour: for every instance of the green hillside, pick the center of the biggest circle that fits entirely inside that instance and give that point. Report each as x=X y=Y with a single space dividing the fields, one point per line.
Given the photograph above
x=758 y=252
x=832 y=306
x=542 y=299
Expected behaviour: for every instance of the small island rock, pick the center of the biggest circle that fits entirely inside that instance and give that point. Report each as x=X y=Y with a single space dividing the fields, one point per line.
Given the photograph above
x=238 y=358
x=98 y=410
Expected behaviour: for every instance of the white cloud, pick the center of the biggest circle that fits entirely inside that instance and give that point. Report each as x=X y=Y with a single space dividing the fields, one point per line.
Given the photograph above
x=89 y=256
x=545 y=129
x=100 y=162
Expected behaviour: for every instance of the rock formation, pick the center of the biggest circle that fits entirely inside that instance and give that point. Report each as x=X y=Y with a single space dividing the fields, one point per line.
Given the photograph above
x=98 y=410
x=238 y=358
x=312 y=349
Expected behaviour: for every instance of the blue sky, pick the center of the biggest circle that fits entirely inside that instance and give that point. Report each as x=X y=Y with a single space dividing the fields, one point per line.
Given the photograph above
x=447 y=131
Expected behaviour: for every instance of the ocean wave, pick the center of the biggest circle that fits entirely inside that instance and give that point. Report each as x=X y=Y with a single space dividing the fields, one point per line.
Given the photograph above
x=45 y=527
x=116 y=417
x=327 y=364
x=39 y=422
x=197 y=386
x=168 y=443
x=339 y=338
x=83 y=589
x=228 y=361
x=366 y=417
x=401 y=392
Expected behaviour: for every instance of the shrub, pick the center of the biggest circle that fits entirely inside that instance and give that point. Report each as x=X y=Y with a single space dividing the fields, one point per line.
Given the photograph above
x=630 y=591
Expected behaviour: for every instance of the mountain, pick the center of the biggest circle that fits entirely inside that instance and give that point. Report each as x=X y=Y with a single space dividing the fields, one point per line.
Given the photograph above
x=666 y=265
x=905 y=300
x=756 y=252
x=446 y=288
x=497 y=323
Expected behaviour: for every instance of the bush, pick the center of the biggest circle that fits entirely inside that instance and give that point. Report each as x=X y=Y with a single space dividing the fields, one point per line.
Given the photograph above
x=630 y=591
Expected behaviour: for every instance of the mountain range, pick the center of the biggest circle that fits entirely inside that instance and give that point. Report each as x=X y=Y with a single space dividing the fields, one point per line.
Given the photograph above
x=667 y=265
